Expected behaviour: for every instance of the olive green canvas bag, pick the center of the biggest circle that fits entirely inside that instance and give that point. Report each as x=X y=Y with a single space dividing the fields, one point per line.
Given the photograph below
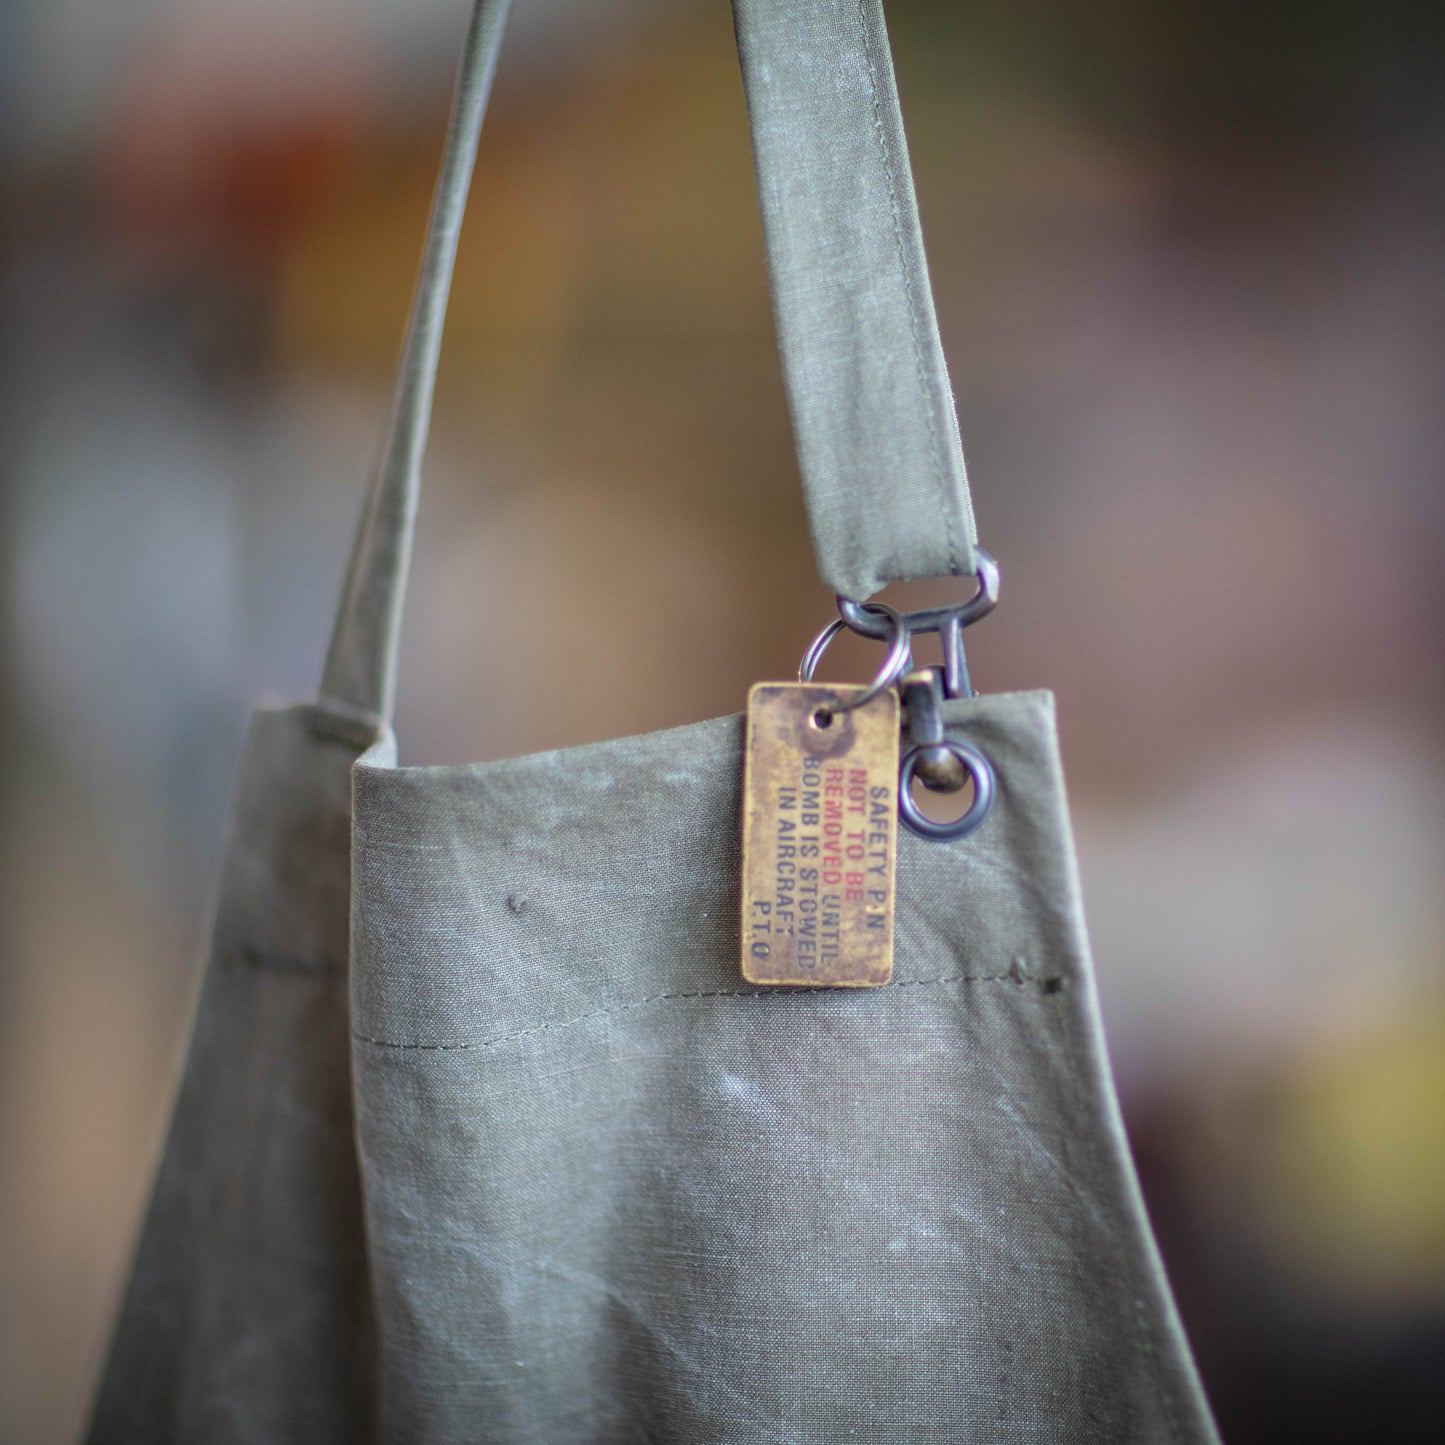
x=484 y=1136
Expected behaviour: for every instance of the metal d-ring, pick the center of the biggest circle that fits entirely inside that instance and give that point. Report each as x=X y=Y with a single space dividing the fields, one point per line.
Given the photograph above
x=897 y=662
x=979 y=769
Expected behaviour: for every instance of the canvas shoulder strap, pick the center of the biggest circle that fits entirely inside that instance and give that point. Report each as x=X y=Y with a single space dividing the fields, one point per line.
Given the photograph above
x=873 y=411
x=872 y=408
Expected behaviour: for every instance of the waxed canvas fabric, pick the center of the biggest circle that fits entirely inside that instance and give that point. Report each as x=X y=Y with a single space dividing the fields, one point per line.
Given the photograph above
x=482 y=1137
x=248 y=1315
x=614 y=1194
x=872 y=408
x=611 y=1192
x=868 y=390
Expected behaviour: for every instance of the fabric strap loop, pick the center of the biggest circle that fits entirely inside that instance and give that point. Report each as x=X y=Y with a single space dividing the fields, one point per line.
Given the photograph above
x=360 y=670
x=873 y=413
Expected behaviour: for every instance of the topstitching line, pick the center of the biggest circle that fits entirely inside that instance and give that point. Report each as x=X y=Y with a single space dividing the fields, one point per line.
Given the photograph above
x=1014 y=976
x=910 y=292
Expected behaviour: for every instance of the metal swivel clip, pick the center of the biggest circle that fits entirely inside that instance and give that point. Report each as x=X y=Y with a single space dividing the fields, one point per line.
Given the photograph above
x=941 y=763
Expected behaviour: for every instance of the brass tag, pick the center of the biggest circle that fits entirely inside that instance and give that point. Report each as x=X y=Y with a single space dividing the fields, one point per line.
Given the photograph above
x=820 y=829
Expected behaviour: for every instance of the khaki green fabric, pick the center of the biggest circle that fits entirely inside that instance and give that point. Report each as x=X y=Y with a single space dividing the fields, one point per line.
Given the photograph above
x=611 y=1192
x=520 y=1158
x=249 y=1313
x=360 y=669
x=873 y=411
x=615 y=1194
x=868 y=389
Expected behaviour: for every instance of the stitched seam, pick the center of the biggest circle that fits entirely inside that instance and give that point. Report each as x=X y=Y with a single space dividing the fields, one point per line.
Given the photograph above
x=1013 y=976
x=910 y=293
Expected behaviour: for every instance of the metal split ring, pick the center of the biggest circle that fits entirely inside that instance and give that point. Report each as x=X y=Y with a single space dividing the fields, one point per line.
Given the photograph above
x=897 y=662
x=979 y=769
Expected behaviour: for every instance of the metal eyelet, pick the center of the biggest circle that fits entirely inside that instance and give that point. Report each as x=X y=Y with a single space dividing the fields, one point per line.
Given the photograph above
x=984 y=788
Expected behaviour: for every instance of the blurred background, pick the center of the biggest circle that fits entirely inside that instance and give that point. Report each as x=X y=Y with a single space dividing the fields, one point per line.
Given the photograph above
x=1188 y=263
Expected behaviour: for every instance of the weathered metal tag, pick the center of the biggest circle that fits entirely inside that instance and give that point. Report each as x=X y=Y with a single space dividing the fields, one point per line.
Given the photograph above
x=820 y=830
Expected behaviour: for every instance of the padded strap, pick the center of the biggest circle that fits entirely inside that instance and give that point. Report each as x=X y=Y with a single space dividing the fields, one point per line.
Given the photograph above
x=872 y=409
